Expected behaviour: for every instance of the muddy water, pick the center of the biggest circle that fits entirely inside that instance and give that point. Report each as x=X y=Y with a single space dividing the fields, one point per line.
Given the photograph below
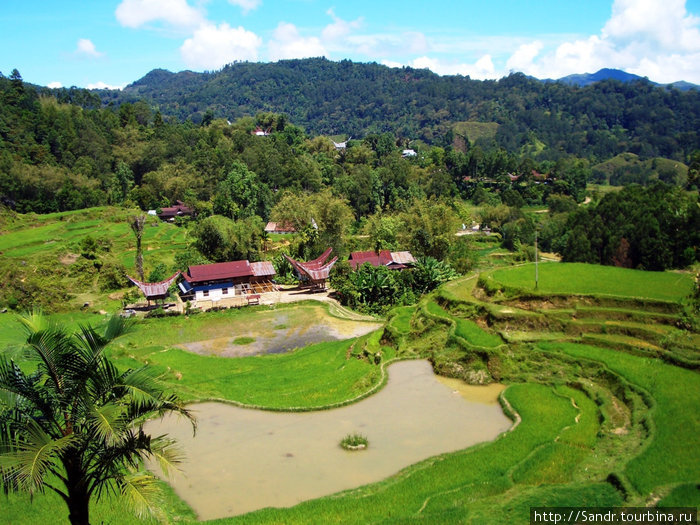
x=277 y=338
x=479 y=393
x=242 y=460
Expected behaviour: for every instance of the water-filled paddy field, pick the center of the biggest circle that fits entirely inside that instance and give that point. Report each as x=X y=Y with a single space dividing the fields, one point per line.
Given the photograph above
x=242 y=459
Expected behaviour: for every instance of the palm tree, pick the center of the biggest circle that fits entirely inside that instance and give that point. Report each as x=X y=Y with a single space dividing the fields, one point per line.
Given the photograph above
x=74 y=424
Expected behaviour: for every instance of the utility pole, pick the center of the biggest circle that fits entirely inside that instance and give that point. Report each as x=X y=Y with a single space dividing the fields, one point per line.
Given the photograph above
x=537 y=276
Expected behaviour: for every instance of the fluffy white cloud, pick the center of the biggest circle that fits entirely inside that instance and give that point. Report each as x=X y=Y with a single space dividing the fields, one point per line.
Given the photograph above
x=176 y=13
x=288 y=43
x=391 y=63
x=340 y=28
x=212 y=47
x=246 y=5
x=388 y=44
x=54 y=85
x=654 y=38
x=87 y=49
x=524 y=56
x=665 y=23
x=102 y=85
x=481 y=69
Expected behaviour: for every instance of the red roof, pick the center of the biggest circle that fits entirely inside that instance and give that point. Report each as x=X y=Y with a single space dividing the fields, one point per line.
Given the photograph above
x=396 y=260
x=284 y=227
x=315 y=270
x=218 y=271
x=262 y=268
x=172 y=211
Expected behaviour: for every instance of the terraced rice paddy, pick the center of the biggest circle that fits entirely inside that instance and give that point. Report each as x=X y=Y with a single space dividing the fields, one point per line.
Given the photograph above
x=602 y=386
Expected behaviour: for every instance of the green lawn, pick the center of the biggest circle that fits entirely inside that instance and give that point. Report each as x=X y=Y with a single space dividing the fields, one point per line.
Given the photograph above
x=589 y=279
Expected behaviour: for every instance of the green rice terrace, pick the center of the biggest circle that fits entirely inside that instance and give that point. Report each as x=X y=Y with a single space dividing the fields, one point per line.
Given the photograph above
x=602 y=388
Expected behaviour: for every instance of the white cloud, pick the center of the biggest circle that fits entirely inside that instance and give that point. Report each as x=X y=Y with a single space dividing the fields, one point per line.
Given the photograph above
x=481 y=69
x=665 y=23
x=288 y=43
x=54 y=85
x=176 y=13
x=212 y=47
x=524 y=56
x=340 y=28
x=87 y=49
x=391 y=63
x=389 y=44
x=654 y=38
x=246 y=5
x=102 y=85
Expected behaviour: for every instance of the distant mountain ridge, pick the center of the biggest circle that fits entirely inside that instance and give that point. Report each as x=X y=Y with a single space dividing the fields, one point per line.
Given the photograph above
x=586 y=79
x=346 y=98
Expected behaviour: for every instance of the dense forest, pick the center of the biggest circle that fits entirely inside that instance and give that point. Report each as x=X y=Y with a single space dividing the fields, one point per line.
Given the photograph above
x=545 y=120
x=480 y=152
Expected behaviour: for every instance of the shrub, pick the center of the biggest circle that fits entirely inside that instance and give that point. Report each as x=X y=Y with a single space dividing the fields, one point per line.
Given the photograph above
x=354 y=442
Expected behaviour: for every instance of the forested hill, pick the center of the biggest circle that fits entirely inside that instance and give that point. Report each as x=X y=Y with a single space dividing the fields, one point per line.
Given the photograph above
x=537 y=119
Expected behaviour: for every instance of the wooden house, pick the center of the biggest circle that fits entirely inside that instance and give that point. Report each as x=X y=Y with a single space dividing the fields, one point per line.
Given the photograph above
x=226 y=283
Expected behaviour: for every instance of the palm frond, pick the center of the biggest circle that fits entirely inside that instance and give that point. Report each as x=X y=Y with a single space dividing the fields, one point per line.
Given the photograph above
x=107 y=423
x=167 y=453
x=117 y=326
x=13 y=381
x=52 y=348
x=34 y=321
x=93 y=343
x=141 y=493
x=33 y=457
x=142 y=387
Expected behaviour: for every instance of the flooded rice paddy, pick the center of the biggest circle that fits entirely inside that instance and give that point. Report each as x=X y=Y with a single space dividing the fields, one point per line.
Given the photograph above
x=242 y=460
x=280 y=332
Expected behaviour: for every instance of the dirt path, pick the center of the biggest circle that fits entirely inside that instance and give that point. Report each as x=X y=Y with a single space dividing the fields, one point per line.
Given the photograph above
x=334 y=307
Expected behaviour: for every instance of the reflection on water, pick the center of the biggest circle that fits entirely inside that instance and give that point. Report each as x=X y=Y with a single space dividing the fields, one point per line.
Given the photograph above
x=242 y=460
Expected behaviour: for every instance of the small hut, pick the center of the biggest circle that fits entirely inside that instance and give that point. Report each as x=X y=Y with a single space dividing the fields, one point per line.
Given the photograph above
x=155 y=291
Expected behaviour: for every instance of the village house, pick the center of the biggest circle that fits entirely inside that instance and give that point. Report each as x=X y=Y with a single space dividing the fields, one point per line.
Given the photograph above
x=279 y=227
x=392 y=260
x=226 y=284
x=313 y=274
x=155 y=291
x=180 y=209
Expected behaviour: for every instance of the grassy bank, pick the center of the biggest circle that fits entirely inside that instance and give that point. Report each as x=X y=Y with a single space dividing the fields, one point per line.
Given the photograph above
x=588 y=279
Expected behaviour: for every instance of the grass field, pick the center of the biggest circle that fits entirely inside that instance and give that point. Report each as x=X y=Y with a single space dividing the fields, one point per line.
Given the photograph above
x=45 y=264
x=672 y=455
x=599 y=424
x=587 y=279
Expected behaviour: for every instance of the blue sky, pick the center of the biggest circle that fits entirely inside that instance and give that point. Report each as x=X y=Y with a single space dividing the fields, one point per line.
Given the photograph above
x=101 y=43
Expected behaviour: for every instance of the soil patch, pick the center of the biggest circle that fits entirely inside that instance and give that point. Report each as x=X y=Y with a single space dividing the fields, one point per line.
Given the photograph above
x=279 y=334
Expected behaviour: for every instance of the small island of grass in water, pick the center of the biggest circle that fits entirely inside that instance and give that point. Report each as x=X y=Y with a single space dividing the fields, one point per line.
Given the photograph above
x=354 y=442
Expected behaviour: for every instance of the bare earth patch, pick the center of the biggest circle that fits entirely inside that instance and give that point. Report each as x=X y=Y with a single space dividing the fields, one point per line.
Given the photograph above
x=280 y=332
x=68 y=258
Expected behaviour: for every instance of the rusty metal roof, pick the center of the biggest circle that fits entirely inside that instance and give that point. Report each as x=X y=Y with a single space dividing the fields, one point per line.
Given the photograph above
x=396 y=260
x=312 y=269
x=218 y=271
x=262 y=268
x=403 y=258
x=158 y=289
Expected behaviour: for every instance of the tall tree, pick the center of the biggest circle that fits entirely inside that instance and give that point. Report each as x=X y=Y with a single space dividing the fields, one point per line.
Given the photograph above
x=75 y=424
x=137 y=222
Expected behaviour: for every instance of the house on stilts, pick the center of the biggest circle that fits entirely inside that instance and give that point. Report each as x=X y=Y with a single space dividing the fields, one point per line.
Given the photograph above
x=155 y=291
x=314 y=274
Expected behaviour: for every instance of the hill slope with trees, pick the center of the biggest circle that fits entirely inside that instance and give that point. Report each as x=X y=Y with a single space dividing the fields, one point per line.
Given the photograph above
x=543 y=119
